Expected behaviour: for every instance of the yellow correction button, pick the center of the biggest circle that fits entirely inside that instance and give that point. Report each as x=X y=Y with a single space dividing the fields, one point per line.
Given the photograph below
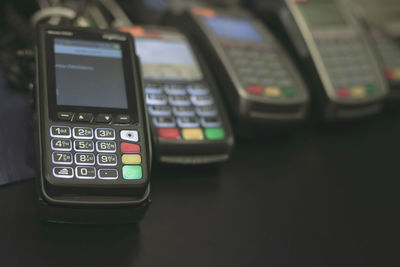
x=193 y=134
x=358 y=91
x=131 y=159
x=273 y=91
x=396 y=74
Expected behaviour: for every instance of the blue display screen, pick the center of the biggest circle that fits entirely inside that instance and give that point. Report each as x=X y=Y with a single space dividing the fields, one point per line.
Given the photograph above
x=233 y=28
x=154 y=51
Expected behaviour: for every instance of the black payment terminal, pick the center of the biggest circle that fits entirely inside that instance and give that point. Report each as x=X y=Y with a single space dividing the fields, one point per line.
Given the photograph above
x=188 y=120
x=92 y=136
x=336 y=56
x=258 y=79
x=389 y=51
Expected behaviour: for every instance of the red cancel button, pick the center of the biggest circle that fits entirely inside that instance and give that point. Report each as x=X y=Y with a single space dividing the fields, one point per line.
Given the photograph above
x=343 y=93
x=130 y=148
x=254 y=90
x=169 y=133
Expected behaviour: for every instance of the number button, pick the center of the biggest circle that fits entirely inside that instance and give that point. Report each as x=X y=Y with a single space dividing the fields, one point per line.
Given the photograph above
x=107 y=160
x=188 y=122
x=184 y=111
x=84 y=159
x=153 y=89
x=210 y=122
x=164 y=122
x=63 y=172
x=61 y=145
x=175 y=89
x=84 y=146
x=83 y=133
x=62 y=158
x=109 y=174
x=198 y=89
x=129 y=135
x=179 y=100
x=156 y=99
x=159 y=111
x=106 y=146
x=85 y=172
x=207 y=111
x=105 y=134
x=202 y=100
x=60 y=131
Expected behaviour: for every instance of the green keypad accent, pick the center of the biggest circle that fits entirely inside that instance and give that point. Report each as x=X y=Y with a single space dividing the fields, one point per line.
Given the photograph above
x=215 y=133
x=132 y=172
x=371 y=89
x=288 y=92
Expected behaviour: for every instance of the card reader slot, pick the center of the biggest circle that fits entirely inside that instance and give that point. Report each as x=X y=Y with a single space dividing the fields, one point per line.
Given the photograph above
x=193 y=160
x=278 y=113
x=354 y=112
x=96 y=200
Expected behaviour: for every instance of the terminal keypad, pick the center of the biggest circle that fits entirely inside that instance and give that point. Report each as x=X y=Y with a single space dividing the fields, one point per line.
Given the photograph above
x=260 y=69
x=347 y=63
x=95 y=153
x=183 y=111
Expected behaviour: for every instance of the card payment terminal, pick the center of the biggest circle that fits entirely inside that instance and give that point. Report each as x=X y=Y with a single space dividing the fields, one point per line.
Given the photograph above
x=189 y=123
x=92 y=136
x=389 y=50
x=333 y=51
x=258 y=79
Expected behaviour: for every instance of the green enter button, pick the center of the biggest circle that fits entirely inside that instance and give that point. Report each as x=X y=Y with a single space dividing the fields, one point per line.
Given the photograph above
x=215 y=133
x=131 y=172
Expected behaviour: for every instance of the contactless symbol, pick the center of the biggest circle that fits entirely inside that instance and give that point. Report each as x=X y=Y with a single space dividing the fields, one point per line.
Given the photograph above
x=129 y=135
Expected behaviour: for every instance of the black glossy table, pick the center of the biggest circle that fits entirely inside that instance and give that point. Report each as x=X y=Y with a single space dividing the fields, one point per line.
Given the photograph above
x=321 y=196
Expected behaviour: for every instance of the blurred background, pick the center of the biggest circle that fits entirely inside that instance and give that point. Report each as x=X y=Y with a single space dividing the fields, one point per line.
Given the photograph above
x=317 y=194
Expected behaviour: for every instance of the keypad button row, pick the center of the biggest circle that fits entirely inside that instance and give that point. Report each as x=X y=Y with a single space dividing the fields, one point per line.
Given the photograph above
x=179 y=100
x=65 y=145
x=66 y=158
x=161 y=111
x=129 y=172
x=83 y=146
x=264 y=82
x=268 y=54
x=89 y=117
x=177 y=89
x=186 y=122
x=265 y=46
x=340 y=81
x=193 y=134
x=87 y=133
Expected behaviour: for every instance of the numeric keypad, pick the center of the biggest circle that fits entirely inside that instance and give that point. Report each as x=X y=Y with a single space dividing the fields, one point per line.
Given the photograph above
x=87 y=154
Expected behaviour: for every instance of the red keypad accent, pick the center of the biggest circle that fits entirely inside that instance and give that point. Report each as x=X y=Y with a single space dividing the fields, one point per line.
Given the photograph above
x=389 y=74
x=130 y=148
x=169 y=133
x=343 y=93
x=255 y=90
